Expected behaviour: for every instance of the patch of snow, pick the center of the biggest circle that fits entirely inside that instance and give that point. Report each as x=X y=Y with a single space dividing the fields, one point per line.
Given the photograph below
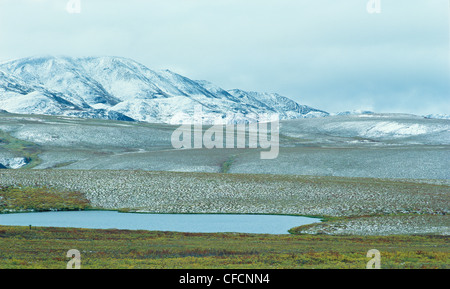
x=13 y=163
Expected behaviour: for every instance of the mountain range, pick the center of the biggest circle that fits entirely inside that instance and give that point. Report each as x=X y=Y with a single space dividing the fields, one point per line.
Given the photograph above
x=122 y=89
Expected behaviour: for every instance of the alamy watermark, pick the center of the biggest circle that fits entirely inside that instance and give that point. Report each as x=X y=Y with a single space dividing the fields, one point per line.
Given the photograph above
x=221 y=135
x=374 y=6
x=73 y=6
x=375 y=262
x=75 y=262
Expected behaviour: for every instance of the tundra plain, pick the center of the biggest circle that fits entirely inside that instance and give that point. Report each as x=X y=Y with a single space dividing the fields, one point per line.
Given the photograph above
x=369 y=176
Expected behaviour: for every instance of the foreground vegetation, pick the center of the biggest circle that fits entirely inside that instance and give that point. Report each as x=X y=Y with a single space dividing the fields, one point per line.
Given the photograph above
x=15 y=199
x=21 y=247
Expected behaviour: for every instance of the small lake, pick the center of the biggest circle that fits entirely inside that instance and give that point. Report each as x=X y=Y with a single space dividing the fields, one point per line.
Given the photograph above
x=192 y=223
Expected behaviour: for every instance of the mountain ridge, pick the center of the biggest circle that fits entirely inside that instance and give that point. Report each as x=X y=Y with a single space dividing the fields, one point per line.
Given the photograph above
x=122 y=89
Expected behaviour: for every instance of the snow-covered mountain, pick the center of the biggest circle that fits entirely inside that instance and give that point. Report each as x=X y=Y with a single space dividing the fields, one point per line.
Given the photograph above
x=122 y=89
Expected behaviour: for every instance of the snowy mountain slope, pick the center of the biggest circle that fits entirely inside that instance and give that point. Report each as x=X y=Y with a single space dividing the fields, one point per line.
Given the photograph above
x=16 y=96
x=287 y=108
x=122 y=89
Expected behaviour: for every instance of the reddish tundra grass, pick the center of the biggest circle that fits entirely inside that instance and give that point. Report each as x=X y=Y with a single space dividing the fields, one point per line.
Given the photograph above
x=22 y=247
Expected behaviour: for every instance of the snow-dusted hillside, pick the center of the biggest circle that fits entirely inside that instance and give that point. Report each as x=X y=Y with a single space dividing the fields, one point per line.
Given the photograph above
x=438 y=116
x=122 y=89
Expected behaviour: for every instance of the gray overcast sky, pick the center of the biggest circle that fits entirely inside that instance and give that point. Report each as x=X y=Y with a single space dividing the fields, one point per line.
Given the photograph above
x=332 y=55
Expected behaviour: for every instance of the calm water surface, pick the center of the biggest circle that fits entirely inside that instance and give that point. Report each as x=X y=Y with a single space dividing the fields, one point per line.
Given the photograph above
x=194 y=223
